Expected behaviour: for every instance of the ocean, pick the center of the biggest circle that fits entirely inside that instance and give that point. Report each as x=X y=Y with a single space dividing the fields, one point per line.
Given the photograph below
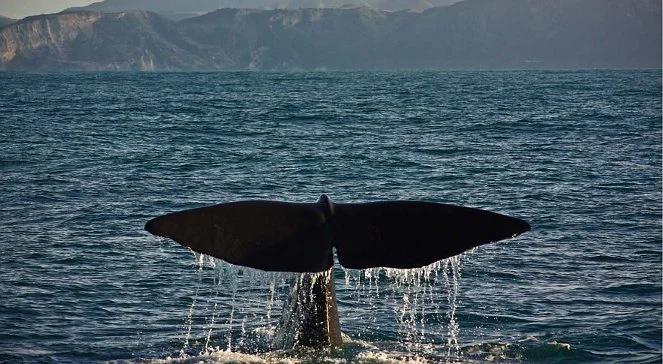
x=88 y=158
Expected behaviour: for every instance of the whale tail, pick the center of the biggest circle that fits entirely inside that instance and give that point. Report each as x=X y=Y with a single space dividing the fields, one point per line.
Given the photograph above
x=299 y=237
x=404 y=234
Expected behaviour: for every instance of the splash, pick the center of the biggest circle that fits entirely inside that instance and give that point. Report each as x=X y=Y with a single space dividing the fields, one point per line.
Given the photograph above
x=240 y=310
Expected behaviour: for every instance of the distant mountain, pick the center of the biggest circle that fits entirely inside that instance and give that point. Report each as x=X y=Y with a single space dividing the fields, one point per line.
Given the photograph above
x=177 y=9
x=473 y=34
x=536 y=34
x=6 y=21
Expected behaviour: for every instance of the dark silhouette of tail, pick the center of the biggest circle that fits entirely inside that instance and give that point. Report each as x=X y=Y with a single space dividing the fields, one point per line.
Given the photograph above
x=408 y=234
x=298 y=237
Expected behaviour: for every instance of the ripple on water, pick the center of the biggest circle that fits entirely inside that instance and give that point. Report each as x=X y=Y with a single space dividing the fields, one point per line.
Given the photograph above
x=87 y=158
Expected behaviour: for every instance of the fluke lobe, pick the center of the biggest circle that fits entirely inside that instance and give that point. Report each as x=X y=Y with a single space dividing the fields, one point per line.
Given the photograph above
x=299 y=237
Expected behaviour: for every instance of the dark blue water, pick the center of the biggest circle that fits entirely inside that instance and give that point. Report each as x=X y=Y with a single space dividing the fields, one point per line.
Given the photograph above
x=86 y=159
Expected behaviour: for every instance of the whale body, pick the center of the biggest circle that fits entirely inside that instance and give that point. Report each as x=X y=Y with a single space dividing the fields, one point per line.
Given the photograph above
x=310 y=317
x=302 y=237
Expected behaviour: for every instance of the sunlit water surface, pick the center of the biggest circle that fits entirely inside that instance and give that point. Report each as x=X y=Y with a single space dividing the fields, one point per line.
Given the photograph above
x=88 y=158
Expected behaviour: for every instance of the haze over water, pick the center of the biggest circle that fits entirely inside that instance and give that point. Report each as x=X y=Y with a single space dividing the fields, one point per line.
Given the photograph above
x=88 y=158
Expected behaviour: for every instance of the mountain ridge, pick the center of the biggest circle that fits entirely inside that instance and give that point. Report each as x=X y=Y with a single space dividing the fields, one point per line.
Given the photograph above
x=178 y=10
x=472 y=34
x=4 y=21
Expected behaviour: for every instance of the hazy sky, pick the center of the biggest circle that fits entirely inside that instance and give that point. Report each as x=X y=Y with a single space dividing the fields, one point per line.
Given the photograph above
x=21 y=8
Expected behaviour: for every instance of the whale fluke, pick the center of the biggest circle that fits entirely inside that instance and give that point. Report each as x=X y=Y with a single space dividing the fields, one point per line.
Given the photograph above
x=299 y=237
x=267 y=235
x=408 y=234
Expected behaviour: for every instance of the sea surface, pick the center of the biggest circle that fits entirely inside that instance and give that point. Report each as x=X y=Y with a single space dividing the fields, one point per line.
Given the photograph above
x=87 y=158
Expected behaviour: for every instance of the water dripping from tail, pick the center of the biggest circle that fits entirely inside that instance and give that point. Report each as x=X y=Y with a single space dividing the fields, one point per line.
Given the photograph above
x=188 y=323
x=425 y=302
x=451 y=273
x=216 y=320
